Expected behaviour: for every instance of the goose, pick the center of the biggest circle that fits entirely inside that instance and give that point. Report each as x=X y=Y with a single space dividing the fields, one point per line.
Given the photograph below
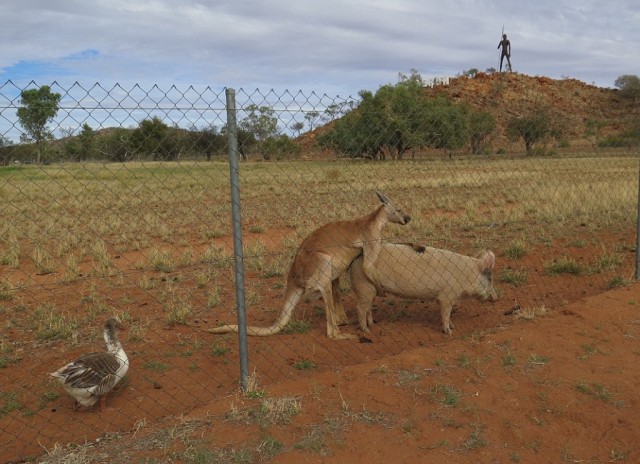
x=90 y=377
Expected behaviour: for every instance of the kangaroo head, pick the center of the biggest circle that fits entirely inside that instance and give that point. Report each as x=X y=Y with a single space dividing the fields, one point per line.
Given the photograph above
x=393 y=214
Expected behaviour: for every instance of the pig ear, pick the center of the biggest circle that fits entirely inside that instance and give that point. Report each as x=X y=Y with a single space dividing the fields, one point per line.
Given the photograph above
x=486 y=261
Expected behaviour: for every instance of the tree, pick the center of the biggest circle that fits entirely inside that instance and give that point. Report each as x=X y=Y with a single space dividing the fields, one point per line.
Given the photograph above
x=297 y=127
x=629 y=86
x=116 y=144
x=481 y=125
x=6 y=150
x=87 y=139
x=333 y=111
x=39 y=106
x=262 y=124
x=277 y=147
x=396 y=119
x=207 y=140
x=532 y=127
x=447 y=125
x=312 y=117
x=71 y=146
x=152 y=138
x=386 y=123
x=470 y=72
x=246 y=141
x=5 y=142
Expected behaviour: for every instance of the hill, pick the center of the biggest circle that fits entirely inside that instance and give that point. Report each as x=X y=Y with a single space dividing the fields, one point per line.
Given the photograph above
x=586 y=117
x=584 y=112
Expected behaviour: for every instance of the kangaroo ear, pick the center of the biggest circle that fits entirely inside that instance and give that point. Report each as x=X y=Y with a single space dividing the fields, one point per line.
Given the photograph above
x=486 y=261
x=383 y=198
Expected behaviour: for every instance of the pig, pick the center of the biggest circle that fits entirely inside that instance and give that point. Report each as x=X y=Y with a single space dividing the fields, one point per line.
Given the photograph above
x=416 y=271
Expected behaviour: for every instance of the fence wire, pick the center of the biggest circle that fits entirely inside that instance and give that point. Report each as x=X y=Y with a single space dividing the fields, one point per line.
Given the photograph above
x=119 y=205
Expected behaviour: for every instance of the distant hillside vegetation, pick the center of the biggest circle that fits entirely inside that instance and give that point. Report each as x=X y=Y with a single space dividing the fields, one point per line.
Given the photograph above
x=582 y=109
x=584 y=117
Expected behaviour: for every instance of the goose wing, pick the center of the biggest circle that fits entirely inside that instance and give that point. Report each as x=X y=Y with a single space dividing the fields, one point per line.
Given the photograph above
x=93 y=371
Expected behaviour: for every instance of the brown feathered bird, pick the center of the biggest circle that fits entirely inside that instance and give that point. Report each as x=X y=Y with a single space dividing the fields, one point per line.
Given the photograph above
x=90 y=377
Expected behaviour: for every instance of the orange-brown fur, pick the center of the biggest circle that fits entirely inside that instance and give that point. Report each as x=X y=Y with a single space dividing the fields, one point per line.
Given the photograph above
x=322 y=258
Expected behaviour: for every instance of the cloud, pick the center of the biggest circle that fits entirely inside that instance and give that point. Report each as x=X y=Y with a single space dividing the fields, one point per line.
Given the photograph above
x=330 y=46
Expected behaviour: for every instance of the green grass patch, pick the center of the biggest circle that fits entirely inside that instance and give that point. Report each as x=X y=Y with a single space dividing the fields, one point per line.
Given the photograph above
x=515 y=277
x=464 y=361
x=617 y=282
x=509 y=360
x=314 y=441
x=297 y=327
x=5 y=291
x=446 y=395
x=9 y=402
x=596 y=390
x=564 y=265
x=219 y=351
x=305 y=365
x=156 y=366
x=608 y=262
x=515 y=250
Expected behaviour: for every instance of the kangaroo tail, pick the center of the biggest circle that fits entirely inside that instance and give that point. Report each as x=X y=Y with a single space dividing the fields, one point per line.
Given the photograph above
x=292 y=297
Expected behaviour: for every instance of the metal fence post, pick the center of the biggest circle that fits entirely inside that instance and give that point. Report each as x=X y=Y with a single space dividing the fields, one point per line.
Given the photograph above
x=237 y=236
x=638 y=223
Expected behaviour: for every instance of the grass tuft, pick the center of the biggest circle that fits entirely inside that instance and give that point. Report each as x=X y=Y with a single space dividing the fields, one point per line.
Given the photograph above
x=515 y=277
x=297 y=327
x=305 y=365
x=53 y=324
x=270 y=411
x=515 y=250
x=564 y=265
x=446 y=395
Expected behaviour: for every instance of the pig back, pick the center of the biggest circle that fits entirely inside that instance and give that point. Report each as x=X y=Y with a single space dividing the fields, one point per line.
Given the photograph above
x=403 y=271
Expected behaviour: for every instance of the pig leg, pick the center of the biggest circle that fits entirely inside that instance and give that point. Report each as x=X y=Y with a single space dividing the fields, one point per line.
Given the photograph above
x=445 y=314
x=366 y=292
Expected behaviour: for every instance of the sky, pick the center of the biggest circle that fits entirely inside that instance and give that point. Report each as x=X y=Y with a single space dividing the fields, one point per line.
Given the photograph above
x=321 y=47
x=327 y=46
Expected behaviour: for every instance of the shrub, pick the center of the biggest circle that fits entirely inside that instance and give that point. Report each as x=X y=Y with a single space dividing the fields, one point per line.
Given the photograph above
x=629 y=86
x=532 y=127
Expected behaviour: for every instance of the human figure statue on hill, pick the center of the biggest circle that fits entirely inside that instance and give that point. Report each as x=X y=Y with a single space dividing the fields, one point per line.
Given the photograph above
x=506 y=51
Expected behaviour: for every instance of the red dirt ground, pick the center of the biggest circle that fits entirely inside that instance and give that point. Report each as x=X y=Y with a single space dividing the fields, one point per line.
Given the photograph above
x=562 y=387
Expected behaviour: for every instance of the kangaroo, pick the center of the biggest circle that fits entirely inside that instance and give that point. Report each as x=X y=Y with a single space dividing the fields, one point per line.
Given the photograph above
x=414 y=271
x=322 y=258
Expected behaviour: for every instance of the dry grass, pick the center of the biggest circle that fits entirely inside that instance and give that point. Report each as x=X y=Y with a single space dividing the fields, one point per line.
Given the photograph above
x=108 y=212
x=269 y=411
x=531 y=312
x=91 y=232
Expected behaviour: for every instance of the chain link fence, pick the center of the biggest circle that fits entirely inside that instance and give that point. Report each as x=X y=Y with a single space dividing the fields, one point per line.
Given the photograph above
x=119 y=204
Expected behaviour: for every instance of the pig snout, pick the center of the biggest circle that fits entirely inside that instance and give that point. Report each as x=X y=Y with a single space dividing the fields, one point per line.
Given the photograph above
x=488 y=292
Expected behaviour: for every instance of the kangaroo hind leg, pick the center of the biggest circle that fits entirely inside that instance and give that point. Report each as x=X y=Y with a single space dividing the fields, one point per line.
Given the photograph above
x=341 y=315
